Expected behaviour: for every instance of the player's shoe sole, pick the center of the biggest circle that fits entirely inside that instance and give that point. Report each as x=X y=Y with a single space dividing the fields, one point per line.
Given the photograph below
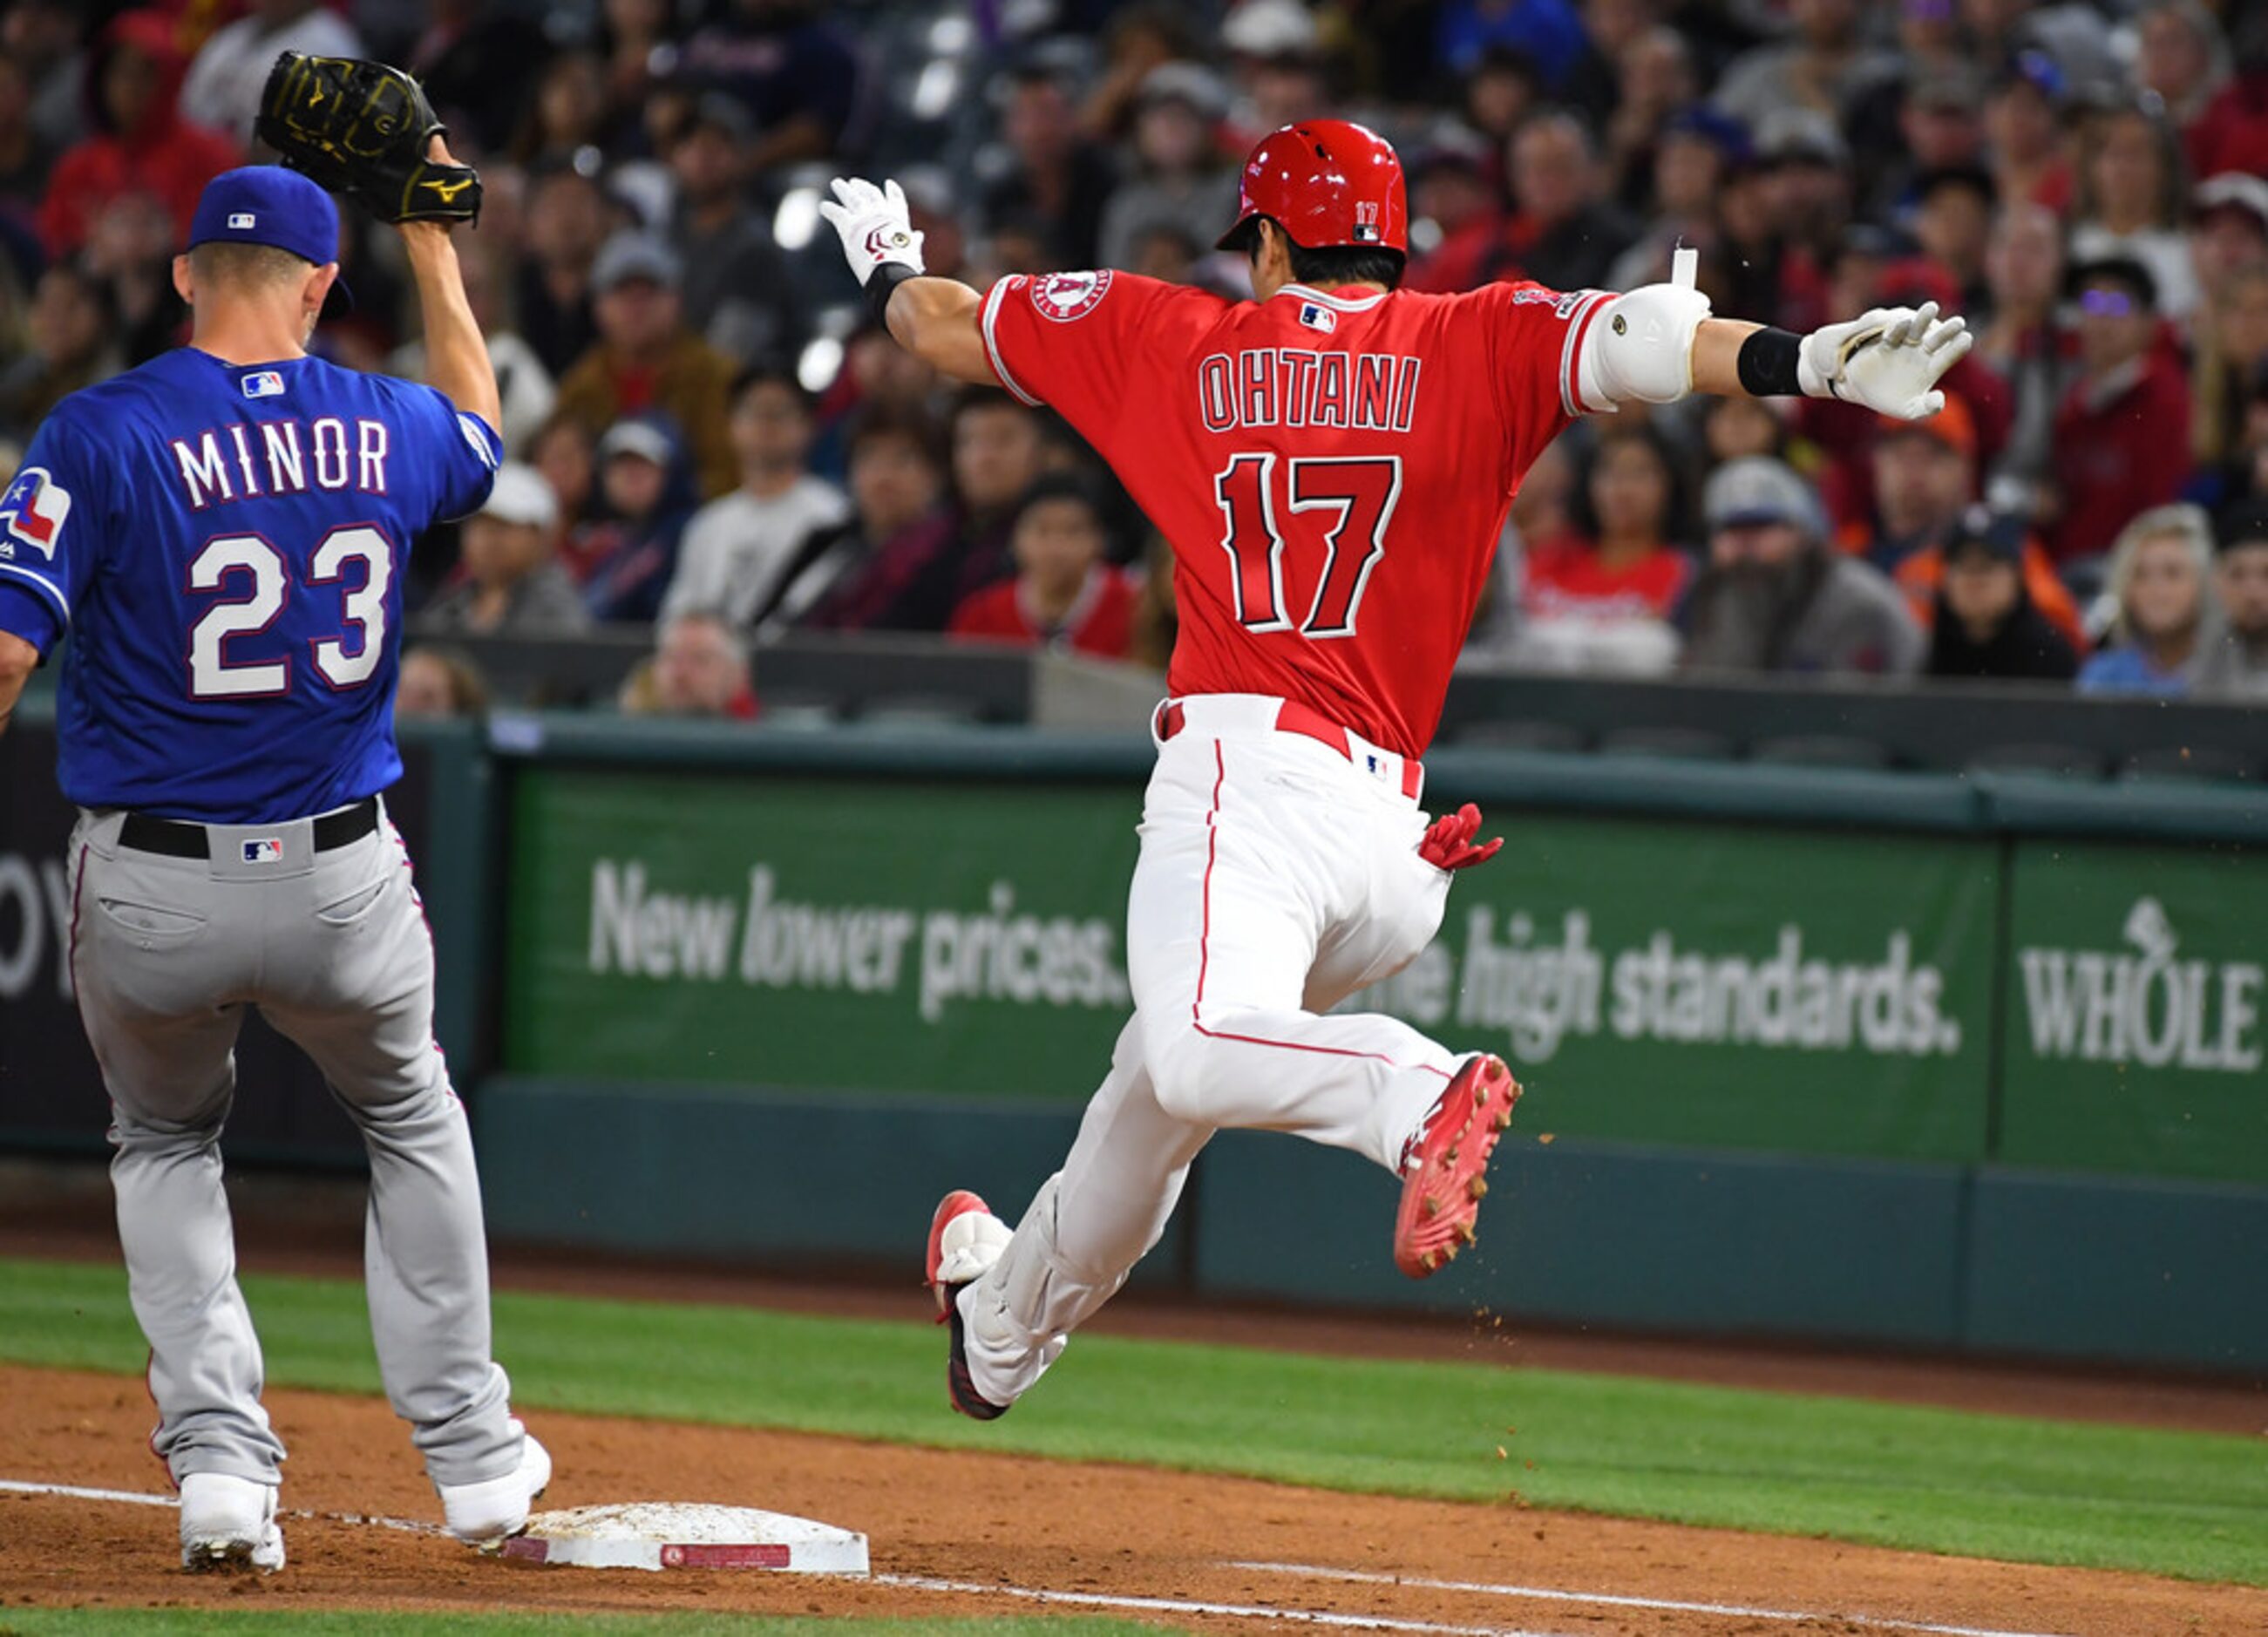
x=965 y=1239
x=228 y=1526
x=1445 y=1175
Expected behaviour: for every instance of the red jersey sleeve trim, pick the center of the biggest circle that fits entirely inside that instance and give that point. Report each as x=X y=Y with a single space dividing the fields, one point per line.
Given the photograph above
x=1571 y=355
x=992 y=341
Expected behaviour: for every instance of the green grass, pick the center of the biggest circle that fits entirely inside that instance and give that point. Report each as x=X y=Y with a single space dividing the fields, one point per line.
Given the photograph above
x=204 y=1622
x=2189 y=1504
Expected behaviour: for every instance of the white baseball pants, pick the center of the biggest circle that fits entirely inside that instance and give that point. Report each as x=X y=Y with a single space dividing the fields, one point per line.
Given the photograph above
x=1276 y=877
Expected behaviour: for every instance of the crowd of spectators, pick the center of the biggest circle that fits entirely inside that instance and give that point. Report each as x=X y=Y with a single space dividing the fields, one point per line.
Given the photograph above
x=708 y=436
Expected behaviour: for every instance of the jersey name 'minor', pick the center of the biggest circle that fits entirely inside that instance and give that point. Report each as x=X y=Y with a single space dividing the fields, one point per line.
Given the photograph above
x=1294 y=387
x=253 y=462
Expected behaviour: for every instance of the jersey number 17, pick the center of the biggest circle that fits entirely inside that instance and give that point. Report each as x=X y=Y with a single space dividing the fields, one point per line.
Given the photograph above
x=1361 y=489
x=257 y=572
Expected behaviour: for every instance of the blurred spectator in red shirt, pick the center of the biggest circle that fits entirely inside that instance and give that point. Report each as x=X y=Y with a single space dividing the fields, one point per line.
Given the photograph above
x=142 y=144
x=2232 y=134
x=1064 y=594
x=2122 y=437
x=2023 y=127
x=1602 y=598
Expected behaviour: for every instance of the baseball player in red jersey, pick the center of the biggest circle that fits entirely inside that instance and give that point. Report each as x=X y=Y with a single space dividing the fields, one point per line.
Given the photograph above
x=1331 y=462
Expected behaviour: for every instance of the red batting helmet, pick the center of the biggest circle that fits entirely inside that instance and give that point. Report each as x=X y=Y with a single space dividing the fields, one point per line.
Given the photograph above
x=1327 y=183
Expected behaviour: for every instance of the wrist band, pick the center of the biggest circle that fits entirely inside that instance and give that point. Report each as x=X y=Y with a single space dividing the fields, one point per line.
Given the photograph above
x=884 y=285
x=1768 y=363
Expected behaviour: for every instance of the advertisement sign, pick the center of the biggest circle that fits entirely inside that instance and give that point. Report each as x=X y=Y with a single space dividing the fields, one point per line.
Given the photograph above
x=2137 y=1039
x=1700 y=984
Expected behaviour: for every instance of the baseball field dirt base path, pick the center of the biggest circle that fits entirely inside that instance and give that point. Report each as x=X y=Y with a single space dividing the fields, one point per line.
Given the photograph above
x=956 y=1533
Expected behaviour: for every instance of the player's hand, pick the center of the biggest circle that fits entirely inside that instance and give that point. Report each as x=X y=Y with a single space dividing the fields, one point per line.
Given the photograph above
x=1448 y=844
x=429 y=228
x=1889 y=360
x=875 y=224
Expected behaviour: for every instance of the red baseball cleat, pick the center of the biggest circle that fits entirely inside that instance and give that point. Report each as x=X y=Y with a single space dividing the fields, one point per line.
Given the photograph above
x=965 y=1239
x=1444 y=1169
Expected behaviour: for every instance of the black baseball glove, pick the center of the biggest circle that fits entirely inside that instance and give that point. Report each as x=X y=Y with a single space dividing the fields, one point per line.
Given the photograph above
x=364 y=130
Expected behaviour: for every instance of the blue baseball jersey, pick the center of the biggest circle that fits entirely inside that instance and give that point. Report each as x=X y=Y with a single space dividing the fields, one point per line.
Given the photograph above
x=226 y=545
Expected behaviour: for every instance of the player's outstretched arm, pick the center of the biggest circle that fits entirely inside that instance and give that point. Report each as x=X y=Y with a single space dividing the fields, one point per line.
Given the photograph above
x=938 y=320
x=18 y=661
x=456 y=354
x=1658 y=342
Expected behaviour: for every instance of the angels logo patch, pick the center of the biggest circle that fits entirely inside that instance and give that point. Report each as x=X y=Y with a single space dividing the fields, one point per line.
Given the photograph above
x=1064 y=296
x=32 y=511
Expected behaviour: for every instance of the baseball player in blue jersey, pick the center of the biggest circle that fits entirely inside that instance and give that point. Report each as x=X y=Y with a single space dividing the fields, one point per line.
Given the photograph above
x=222 y=535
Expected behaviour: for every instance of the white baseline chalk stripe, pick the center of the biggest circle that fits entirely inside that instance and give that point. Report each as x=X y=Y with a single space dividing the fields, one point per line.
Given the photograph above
x=1548 y=1594
x=132 y=1497
x=1183 y=1606
x=73 y=1492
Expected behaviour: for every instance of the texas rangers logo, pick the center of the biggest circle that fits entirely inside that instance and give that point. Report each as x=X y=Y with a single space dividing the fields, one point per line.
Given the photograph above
x=34 y=510
x=1064 y=296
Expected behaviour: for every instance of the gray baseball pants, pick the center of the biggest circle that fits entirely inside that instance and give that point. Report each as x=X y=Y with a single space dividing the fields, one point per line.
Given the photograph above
x=333 y=947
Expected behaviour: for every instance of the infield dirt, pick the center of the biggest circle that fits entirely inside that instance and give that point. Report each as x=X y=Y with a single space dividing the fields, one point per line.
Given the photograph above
x=995 y=1520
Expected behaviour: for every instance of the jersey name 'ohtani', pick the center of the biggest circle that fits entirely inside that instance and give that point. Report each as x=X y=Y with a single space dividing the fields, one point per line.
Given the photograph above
x=1293 y=386
x=240 y=462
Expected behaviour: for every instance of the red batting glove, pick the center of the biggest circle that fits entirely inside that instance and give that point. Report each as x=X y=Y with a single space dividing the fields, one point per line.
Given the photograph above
x=1448 y=844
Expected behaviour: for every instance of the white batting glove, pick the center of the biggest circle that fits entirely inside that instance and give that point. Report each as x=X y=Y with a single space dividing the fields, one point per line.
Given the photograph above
x=876 y=226
x=1889 y=360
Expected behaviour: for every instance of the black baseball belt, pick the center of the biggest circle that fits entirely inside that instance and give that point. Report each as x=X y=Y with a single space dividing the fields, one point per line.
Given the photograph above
x=176 y=838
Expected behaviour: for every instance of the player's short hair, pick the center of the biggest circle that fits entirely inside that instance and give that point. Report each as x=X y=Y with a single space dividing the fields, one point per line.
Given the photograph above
x=1346 y=264
x=972 y=399
x=247 y=267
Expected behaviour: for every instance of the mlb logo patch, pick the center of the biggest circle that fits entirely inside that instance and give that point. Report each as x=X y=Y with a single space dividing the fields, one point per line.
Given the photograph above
x=32 y=511
x=241 y=219
x=264 y=384
x=1315 y=315
x=267 y=850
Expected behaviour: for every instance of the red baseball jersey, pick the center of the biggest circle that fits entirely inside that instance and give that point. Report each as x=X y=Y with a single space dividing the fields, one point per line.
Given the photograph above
x=1332 y=471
